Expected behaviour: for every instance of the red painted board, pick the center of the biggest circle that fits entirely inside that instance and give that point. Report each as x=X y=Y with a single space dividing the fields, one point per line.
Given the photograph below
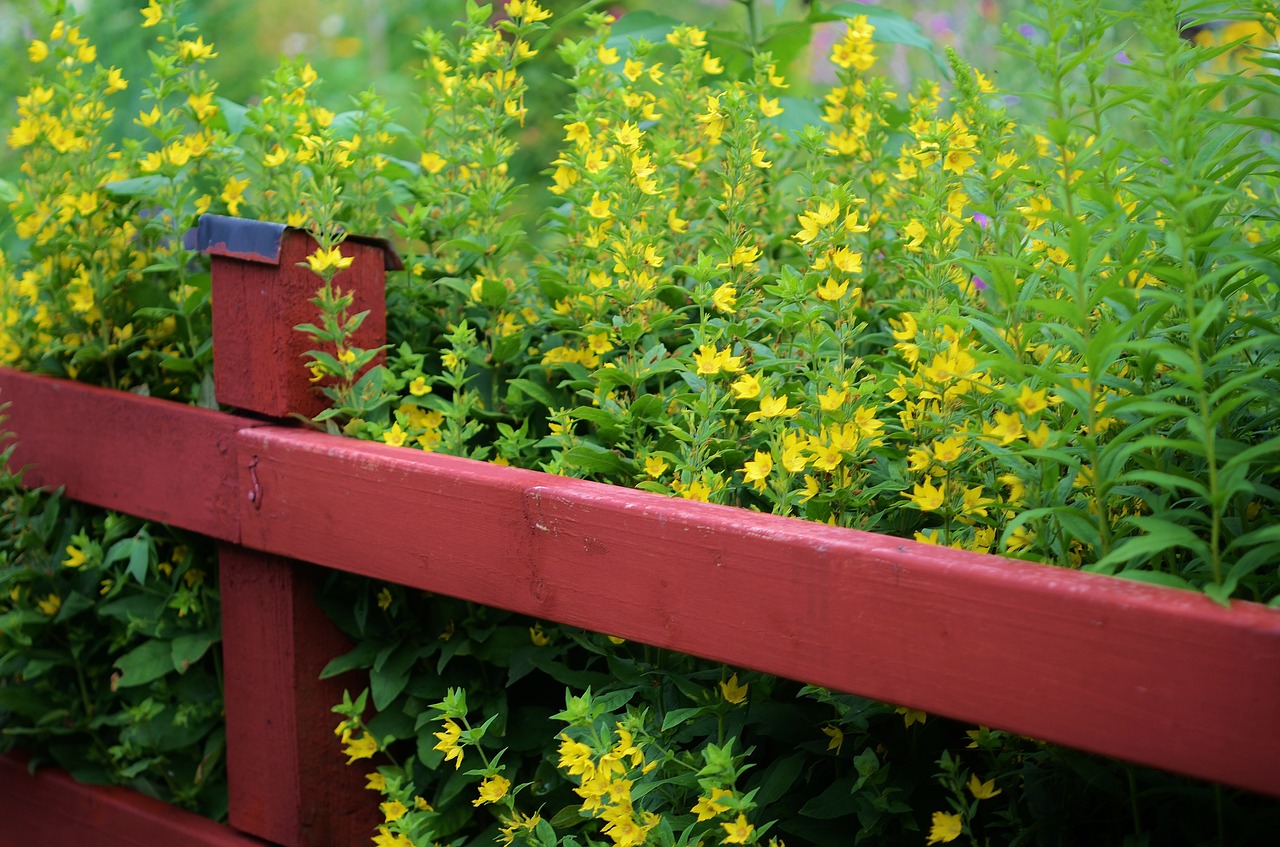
x=258 y=356
x=50 y=809
x=287 y=778
x=149 y=457
x=1144 y=673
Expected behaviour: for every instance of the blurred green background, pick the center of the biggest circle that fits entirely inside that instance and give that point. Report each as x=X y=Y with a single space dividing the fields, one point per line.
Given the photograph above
x=355 y=44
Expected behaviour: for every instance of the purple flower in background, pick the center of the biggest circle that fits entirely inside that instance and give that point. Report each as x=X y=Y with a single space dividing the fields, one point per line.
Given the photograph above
x=1027 y=31
x=981 y=220
x=1123 y=58
x=980 y=284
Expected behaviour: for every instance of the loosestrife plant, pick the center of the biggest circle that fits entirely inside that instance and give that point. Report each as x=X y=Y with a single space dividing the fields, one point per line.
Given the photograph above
x=1047 y=332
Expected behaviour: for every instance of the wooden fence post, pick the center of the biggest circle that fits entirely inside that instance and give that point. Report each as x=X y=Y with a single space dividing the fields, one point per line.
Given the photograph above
x=286 y=778
x=260 y=293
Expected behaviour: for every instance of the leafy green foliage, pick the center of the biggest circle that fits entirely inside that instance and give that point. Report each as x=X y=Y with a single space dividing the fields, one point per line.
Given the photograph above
x=109 y=664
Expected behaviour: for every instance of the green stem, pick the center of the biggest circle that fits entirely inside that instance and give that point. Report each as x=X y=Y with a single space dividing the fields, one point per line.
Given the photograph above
x=753 y=23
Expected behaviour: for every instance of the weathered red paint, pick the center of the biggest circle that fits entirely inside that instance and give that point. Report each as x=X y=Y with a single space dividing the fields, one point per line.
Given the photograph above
x=154 y=458
x=1144 y=673
x=50 y=809
x=286 y=776
x=258 y=356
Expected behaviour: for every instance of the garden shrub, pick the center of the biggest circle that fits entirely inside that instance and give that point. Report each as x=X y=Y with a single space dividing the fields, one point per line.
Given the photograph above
x=109 y=659
x=1048 y=333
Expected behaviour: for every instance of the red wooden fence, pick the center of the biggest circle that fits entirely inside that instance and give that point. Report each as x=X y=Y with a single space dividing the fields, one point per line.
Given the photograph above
x=1148 y=674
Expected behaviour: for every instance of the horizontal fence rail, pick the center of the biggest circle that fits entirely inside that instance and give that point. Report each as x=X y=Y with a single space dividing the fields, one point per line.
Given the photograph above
x=1113 y=667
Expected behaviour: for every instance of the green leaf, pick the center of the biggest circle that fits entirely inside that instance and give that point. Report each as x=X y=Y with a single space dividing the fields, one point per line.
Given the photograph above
x=535 y=391
x=231 y=115
x=493 y=293
x=361 y=657
x=188 y=649
x=633 y=26
x=595 y=459
x=675 y=717
x=390 y=673
x=1155 y=578
x=145 y=663
x=139 y=557
x=139 y=186
x=779 y=777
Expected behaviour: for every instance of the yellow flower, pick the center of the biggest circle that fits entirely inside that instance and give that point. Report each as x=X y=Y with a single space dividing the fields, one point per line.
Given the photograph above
x=743 y=255
x=492 y=789
x=202 y=105
x=385 y=838
x=233 y=193
x=448 y=743
x=75 y=557
x=711 y=65
x=432 y=162
x=529 y=10
x=1033 y=401
x=948 y=449
x=361 y=748
x=757 y=470
x=982 y=790
x=833 y=399
x=628 y=135
x=910 y=716
x=37 y=51
x=926 y=496
x=384 y=598
x=578 y=133
x=151 y=14
x=394 y=810
x=725 y=298
x=599 y=207
x=946 y=827
x=773 y=407
x=1019 y=539
x=836 y=734
x=769 y=108
x=830 y=290
x=607 y=55
x=737 y=832
x=655 y=466
x=322 y=260
x=916 y=232
x=395 y=436
x=810 y=224
x=732 y=691
x=196 y=51
x=1007 y=428
x=745 y=387
x=376 y=782
x=711 y=361
x=50 y=605
x=419 y=387
x=115 y=81
x=708 y=807
x=538 y=636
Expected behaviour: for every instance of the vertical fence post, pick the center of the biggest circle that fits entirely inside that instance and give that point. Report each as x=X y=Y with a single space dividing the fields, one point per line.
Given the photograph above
x=287 y=781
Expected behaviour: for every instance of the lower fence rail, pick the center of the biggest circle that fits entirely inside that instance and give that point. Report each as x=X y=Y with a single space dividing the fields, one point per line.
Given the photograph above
x=50 y=809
